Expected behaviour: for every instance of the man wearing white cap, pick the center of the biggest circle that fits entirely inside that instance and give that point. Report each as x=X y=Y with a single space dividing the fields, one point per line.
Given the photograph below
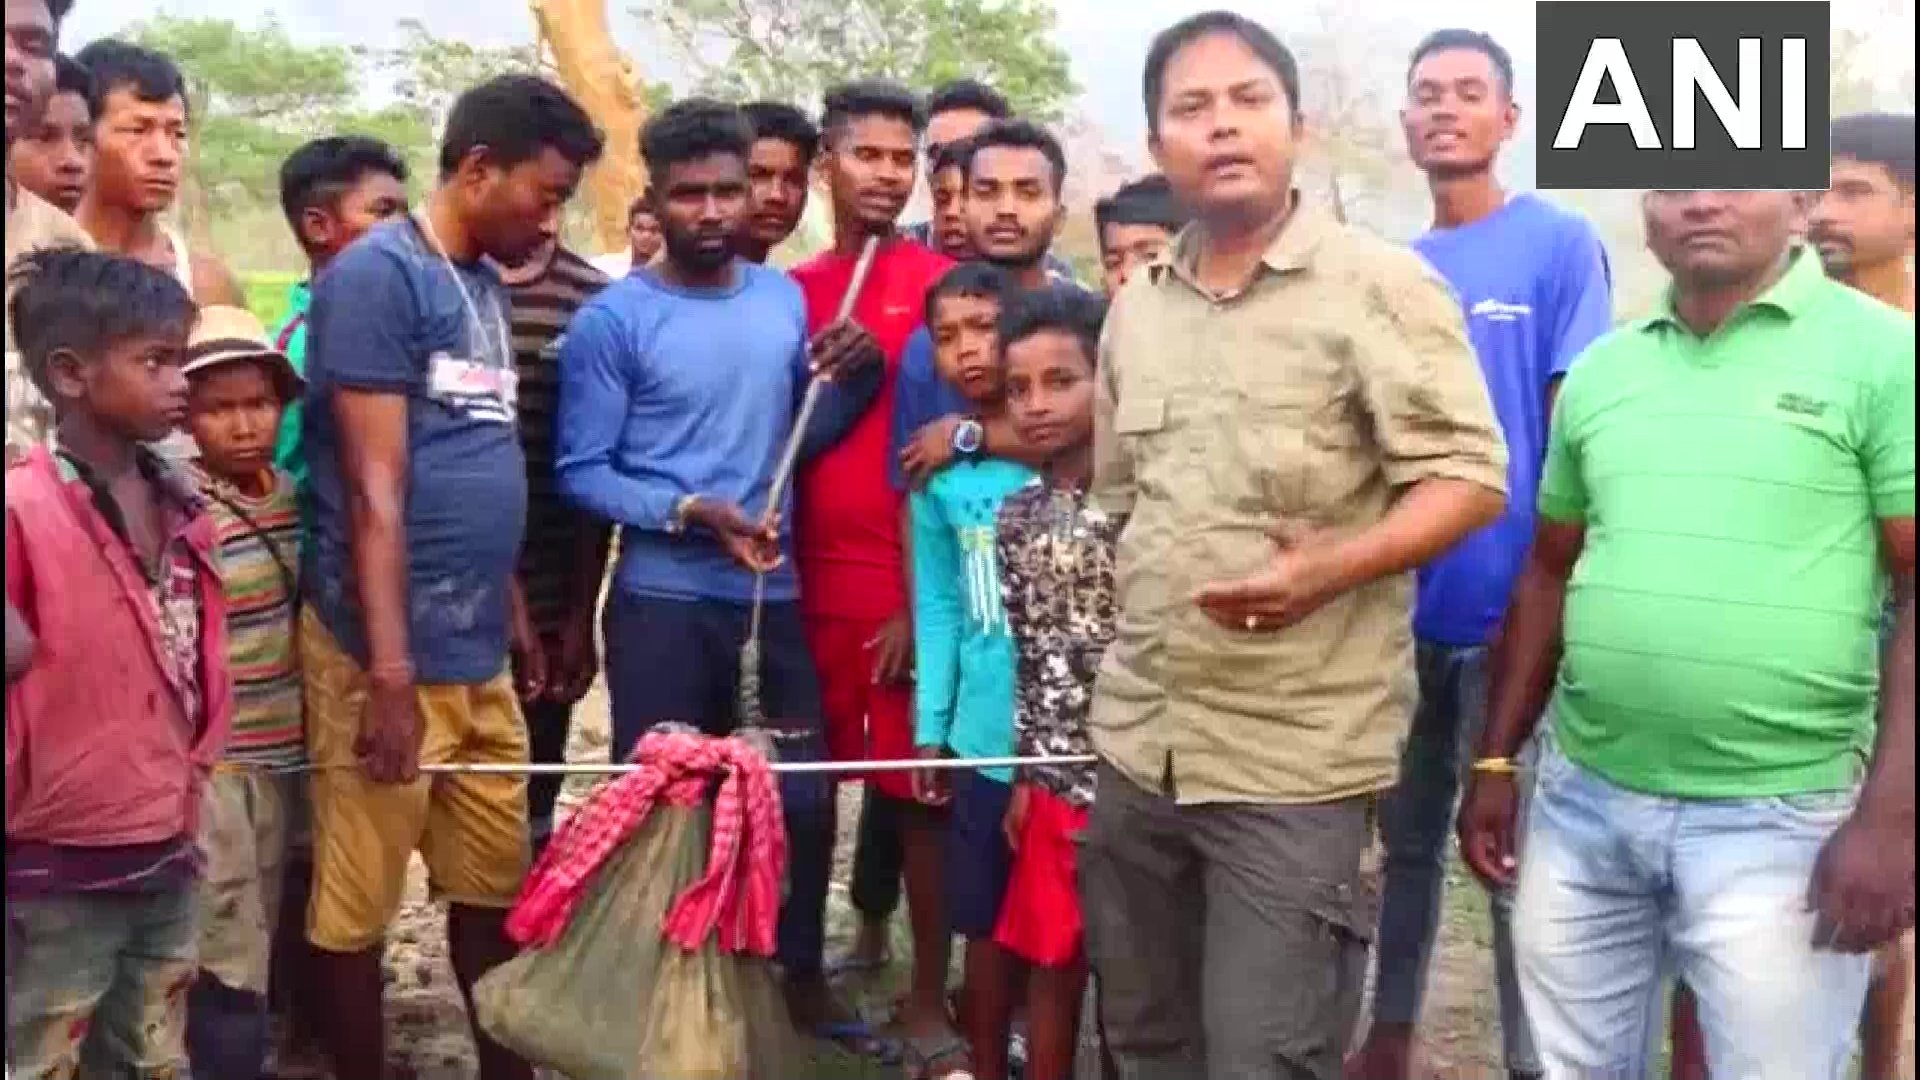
x=238 y=385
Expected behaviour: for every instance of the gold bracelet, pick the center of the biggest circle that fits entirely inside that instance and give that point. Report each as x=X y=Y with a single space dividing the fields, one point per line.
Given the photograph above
x=1499 y=766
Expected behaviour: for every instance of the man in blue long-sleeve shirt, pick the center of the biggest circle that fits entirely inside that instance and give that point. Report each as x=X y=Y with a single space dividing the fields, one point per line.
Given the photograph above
x=678 y=391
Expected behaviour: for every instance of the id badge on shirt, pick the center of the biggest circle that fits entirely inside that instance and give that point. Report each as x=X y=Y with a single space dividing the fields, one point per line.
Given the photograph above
x=475 y=390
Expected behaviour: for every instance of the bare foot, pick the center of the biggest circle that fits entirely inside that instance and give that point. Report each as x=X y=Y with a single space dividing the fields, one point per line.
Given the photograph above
x=1387 y=1054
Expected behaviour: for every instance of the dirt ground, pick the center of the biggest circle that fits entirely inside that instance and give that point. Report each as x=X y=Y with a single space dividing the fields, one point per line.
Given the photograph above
x=429 y=1032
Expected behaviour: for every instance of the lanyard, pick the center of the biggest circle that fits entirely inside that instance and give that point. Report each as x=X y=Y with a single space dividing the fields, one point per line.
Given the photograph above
x=503 y=338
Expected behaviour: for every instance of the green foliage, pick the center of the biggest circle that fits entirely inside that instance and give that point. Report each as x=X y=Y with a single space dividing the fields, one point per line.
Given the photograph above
x=267 y=296
x=253 y=95
x=258 y=75
x=256 y=94
x=793 y=50
x=429 y=72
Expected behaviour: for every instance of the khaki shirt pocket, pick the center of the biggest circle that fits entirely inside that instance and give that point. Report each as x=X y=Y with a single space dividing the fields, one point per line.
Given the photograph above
x=1262 y=472
x=1142 y=426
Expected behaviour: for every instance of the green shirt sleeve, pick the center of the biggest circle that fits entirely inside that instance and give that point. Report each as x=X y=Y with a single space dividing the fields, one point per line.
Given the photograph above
x=939 y=620
x=1886 y=445
x=286 y=449
x=1563 y=490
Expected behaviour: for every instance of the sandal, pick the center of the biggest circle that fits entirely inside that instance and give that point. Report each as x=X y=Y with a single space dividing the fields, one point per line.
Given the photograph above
x=938 y=1057
x=855 y=1036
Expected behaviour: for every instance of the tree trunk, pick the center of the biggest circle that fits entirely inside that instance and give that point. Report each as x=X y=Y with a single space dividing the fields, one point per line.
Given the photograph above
x=607 y=86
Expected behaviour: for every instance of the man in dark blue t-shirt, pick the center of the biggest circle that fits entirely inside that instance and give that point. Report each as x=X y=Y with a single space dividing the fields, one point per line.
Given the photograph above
x=418 y=492
x=1002 y=164
x=1534 y=282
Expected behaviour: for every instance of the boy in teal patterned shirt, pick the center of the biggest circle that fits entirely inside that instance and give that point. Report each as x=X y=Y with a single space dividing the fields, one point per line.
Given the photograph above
x=964 y=673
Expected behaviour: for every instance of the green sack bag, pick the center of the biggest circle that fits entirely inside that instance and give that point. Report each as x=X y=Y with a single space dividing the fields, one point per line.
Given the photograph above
x=611 y=999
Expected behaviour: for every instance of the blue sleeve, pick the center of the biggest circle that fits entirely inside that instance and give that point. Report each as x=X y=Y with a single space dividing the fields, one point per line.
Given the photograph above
x=938 y=620
x=841 y=406
x=1583 y=297
x=362 y=324
x=597 y=362
x=909 y=401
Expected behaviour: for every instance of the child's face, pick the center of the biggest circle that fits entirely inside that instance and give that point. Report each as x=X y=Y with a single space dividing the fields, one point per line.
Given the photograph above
x=949 y=223
x=1126 y=248
x=134 y=388
x=964 y=332
x=55 y=157
x=1049 y=386
x=234 y=413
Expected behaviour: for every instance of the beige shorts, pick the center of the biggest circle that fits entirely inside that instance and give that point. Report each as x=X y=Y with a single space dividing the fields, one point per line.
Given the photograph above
x=243 y=831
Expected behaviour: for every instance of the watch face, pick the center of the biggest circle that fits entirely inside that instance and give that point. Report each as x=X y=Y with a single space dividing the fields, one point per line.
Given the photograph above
x=966 y=438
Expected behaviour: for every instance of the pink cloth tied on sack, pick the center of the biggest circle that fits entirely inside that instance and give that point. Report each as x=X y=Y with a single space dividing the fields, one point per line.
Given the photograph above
x=738 y=898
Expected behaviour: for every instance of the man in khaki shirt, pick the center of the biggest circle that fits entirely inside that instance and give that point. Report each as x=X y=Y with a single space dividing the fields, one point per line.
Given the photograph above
x=1292 y=416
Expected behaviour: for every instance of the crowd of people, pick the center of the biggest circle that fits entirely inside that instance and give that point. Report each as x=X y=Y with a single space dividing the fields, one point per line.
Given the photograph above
x=1306 y=537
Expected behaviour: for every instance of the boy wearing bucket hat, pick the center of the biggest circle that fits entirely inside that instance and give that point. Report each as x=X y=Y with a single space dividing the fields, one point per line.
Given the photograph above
x=238 y=385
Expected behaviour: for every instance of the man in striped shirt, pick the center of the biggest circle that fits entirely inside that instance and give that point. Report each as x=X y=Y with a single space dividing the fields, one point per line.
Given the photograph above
x=238 y=385
x=564 y=558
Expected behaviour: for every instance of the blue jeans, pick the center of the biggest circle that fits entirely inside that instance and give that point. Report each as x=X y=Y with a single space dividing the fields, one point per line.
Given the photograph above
x=1416 y=827
x=1617 y=887
x=98 y=982
x=679 y=661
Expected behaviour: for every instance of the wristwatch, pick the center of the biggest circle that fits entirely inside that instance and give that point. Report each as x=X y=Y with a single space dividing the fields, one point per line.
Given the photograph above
x=968 y=438
x=677 y=523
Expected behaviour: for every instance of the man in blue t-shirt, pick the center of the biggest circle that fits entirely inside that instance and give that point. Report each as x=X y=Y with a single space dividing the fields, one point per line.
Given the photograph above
x=1534 y=282
x=932 y=421
x=419 y=496
x=678 y=391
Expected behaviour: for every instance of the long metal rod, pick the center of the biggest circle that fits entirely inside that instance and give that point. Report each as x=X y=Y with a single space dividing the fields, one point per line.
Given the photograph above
x=609 y=768
x=790 y=453
x=782 y=767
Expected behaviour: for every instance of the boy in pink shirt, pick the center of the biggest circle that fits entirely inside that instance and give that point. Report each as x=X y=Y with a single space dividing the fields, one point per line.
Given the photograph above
x=109 y=567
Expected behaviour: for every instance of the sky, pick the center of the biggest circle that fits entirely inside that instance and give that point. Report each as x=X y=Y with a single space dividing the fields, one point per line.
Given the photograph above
x=1105 y=39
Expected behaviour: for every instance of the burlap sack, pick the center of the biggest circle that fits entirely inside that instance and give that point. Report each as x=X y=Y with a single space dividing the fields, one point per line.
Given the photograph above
x=611 y=1000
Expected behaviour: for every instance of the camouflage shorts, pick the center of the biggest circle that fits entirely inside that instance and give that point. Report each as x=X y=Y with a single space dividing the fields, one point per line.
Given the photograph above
x=243 y=830
x=97 y=985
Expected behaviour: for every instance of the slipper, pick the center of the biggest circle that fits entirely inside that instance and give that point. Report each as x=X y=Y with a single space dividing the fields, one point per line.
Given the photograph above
x=855 y=1036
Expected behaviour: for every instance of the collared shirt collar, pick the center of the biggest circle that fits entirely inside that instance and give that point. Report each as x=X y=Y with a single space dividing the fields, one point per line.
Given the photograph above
x=1291 y=250
x=1790 y=296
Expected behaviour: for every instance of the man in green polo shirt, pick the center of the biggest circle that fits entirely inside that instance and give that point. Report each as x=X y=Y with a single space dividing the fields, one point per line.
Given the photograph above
x=1727 y=497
